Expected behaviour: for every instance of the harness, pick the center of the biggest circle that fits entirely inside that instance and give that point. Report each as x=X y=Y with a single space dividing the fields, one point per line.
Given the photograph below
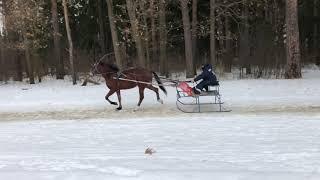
x=121 y=76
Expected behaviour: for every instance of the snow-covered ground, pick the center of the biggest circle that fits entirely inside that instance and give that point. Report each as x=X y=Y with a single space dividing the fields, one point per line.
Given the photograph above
x=232 y=147
x=54 y=130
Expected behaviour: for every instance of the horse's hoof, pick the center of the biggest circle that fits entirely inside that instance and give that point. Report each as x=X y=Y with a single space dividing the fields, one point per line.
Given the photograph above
x=160 y=101
x=114 y=103
x=119 y=108
x=136 y=109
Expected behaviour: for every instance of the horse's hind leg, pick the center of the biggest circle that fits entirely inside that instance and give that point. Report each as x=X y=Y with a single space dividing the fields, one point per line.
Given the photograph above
x=108 y=95
x=141 y=94
x=119 y=99
x=156 y=90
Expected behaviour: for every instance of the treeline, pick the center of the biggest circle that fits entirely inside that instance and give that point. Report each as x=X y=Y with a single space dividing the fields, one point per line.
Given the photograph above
x=64 y=37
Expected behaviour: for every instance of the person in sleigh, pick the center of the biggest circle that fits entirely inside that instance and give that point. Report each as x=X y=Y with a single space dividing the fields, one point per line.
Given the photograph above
x=208 y=79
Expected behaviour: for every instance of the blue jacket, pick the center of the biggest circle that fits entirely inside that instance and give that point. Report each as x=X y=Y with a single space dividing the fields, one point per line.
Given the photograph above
x=207 y=74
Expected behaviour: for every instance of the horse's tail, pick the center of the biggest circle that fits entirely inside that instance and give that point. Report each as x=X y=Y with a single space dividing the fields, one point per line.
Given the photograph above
x=159 y=83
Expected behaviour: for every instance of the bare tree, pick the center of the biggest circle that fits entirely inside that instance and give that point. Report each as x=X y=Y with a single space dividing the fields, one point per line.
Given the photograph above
x=315 y=29
x=153 y=16
x=29 y=64
x=293 y=68
x=24 y=23
x=212 y=32
x=65 y=10
x=131 y=8
x=163 y=38
x=3 y=72
x=56 y=40
x=145 y=30
x=115 y=40
x=187 y=37
x=101 y=26
x=18 y=65
x=244 y=49
x=228 y=52
x=221 y=40
x=194 y=31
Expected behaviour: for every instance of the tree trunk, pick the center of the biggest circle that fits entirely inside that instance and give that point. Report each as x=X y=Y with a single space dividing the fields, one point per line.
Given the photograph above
x=228 y=53
x=146 y=32
x=244 y=53
x=213 y=60
x=3 y=71
x=153 y=17
x=56 y=41
x=29 y=63
x=38 y=67
x=194 y=33
x=102 y=36
x=115 y=40
x=315 y=30
x=135 y=31
x=163 y=38
x=221 y=45
x=187 y=38
x=293 y=68
x=73 y=73
x=19 y=76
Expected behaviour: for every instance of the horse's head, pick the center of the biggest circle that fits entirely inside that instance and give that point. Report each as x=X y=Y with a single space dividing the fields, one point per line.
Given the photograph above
x=97 y=68
x=103 y=68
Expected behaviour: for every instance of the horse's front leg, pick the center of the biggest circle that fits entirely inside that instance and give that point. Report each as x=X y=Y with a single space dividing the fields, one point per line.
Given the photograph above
x=119 y=99
x=109 y=94
x=141 y=94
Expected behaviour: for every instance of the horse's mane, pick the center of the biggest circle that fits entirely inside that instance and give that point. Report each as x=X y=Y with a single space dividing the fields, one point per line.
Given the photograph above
x=114 y=67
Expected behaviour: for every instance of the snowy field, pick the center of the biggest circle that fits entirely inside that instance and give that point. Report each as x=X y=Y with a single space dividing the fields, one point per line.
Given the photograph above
x=54 y=130
x=233 y=147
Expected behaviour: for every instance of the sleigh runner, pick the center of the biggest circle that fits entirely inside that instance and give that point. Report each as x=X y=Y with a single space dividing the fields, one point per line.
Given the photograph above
x=206 y=101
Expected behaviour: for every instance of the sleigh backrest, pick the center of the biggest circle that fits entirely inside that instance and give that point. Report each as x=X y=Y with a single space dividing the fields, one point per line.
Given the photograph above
x=185 y=88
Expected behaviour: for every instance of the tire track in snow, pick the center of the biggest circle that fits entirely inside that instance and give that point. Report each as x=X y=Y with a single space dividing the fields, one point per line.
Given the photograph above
x=162 y=112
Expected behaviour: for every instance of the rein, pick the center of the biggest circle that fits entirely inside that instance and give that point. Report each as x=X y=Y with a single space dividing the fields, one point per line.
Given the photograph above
x=136 y=81
x=173 y=82
x=143 y=82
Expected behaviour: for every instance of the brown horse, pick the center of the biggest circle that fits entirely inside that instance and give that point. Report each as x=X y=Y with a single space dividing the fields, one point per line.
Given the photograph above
x=117 y=80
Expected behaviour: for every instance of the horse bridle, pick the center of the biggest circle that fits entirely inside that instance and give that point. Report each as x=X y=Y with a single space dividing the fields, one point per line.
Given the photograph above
x=96 y=64
x=102 y=73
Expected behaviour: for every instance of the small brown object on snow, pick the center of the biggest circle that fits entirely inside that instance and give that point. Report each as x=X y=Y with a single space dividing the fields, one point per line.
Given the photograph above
x=149 y=151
